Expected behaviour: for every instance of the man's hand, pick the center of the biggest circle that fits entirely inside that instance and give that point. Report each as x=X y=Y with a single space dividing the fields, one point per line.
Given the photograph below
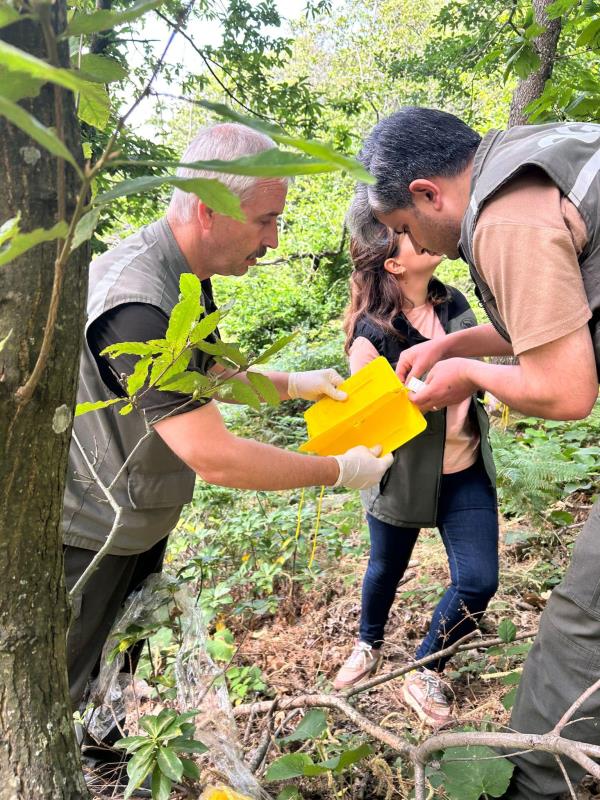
x=416 y=361
x=447 y=383
x=315 y=384
x=360 y=468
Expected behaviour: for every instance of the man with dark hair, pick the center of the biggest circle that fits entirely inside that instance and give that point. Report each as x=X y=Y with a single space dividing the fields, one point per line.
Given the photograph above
x=522 y=208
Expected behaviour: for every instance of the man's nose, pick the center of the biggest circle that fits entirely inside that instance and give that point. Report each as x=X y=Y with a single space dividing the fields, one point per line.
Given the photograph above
x=271 y=238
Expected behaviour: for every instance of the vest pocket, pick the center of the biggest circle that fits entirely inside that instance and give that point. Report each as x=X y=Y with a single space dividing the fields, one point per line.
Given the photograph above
x=160 y=490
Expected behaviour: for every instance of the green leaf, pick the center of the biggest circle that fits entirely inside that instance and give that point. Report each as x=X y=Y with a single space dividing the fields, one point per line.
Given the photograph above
x=85 y=228
x=183 y=318
x=106 y=20
x=590 y=35
x=471 y=772
x=292 y=765
x=273 y=163
x=190 y=769
x=5 y=340
x=534 y=30
x=211 y=191
x=189 y=285
x=126 y=410
x=161 y=785
x=227 y=349
x=40 y=133
x=347 y=758
x=244 y=394
x=560 y=7
x=134 y=348
x=275 y=348
x=17 y=85
x=101 y=68
x=10 y=228
x=184 y=745
x=131 y=743
x=221 y=648
x=8 y=15
x=507 y=631
x=83 y=408
x=509 y=698
x=137 y=769
x=289 y=793
x=320 y=150
x=170 y=763
x=22 y=242
x=205 y=327
x=94 y=106
x=17 y=60
x=166 y=366
x=186 y=382
x=139 y=375
x=311 y=726
x=265 y=387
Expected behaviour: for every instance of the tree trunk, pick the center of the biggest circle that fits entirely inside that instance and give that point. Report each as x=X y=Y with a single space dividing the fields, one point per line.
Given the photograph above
x=39 y=758
x=532 y=86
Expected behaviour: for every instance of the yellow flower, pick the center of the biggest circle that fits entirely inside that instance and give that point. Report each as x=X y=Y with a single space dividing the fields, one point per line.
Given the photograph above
x=245 y=557
x=222 y=793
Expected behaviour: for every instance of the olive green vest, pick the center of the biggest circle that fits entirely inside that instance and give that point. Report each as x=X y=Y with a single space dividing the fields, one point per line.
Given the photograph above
x=155 y=484
x=570 y=155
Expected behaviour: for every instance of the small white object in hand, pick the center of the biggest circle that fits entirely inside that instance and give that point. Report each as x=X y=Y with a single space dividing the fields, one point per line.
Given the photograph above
x=415 y=385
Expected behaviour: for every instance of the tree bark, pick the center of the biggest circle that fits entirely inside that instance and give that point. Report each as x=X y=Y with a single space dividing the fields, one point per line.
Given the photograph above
x=39 y=758
x=532 y=86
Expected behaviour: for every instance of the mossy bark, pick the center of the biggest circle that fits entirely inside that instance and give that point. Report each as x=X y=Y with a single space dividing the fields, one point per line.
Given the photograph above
x=39 y=758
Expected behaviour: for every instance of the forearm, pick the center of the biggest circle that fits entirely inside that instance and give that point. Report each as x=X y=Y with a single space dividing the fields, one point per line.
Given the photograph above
x=535 y=398
x=482 y=340
x=248 y=464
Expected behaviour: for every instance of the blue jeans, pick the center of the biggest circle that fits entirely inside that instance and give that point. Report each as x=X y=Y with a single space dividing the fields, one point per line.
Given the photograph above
x=468 y=523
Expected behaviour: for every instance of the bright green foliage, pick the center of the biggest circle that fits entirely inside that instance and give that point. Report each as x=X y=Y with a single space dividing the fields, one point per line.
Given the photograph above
x=244 y=682
x=473 y=772
x=160 y=752
x=103 y=20
x=296 y=765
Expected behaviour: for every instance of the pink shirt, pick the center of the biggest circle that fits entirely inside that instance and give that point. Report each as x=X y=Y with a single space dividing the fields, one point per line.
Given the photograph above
x=462 y=442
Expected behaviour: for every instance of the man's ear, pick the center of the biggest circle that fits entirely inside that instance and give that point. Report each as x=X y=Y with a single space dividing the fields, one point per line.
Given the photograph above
x=205 y=215
x=426 y=193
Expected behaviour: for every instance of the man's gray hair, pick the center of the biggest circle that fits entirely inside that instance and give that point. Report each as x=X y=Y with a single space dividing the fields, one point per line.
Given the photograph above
x=223 y=142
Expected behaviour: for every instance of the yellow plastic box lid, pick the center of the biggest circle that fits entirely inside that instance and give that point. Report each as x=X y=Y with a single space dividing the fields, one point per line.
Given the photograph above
x=377 y=411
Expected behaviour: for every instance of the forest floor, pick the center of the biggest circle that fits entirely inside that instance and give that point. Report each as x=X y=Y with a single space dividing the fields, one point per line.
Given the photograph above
x=300 y=648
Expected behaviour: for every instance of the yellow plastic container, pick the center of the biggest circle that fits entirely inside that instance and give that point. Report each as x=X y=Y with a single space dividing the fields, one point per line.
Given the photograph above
x=377 y=411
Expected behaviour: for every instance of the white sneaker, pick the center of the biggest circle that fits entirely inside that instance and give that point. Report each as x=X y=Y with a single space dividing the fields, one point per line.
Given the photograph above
x=426 y=693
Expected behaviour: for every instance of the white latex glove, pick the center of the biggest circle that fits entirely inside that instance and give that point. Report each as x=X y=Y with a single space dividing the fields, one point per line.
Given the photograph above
x=314 y=384
x=360 y=468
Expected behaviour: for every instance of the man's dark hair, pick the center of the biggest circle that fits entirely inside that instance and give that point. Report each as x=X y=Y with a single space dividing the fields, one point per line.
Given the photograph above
x=415 y=143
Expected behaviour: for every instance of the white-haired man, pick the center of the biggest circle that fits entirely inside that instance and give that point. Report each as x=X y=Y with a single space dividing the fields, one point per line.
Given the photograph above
x=132 y=291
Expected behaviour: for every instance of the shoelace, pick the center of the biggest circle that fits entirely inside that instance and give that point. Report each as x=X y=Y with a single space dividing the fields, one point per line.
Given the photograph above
x=359 y=655
x=434 y=688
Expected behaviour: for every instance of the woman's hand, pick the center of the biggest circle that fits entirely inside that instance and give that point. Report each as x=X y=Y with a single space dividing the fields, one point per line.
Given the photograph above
x=416 y=361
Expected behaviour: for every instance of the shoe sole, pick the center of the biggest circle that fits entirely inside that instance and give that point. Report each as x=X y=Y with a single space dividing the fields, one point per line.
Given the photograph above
x=413 y=703
x=370 y=672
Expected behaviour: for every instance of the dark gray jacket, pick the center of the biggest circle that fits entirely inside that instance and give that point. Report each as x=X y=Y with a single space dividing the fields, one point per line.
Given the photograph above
x=570 y=155
x=155 y=484
x=409 y=491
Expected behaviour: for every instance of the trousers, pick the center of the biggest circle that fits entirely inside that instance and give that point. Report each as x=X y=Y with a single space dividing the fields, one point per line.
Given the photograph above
x=562 y=663
x=96 y=609
x=468 y=523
